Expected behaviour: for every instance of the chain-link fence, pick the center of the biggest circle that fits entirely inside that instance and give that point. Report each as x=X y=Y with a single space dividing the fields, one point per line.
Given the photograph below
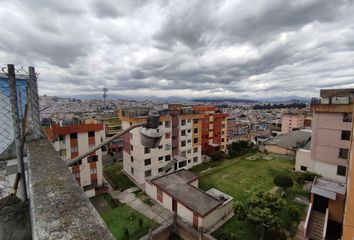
x=19 y=122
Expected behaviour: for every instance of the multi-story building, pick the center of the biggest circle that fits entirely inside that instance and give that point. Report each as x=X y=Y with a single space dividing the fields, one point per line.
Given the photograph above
x=71 y=141
x=329 y=157
x=289 y=121
x=180 y=147
x=214 y=129
x=113 y=125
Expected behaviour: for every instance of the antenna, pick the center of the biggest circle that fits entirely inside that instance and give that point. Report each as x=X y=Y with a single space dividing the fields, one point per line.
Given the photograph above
x=105 y=90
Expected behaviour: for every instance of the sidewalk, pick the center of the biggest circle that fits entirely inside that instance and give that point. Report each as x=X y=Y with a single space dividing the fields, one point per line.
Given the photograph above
x=156 y=212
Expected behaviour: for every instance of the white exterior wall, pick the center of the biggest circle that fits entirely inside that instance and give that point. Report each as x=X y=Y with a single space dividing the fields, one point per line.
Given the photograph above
x=214 y=217
x=328 y=170
x=185 y=213
x=303 y=158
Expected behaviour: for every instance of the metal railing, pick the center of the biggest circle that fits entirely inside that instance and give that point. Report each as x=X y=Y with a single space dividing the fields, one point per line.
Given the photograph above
x=325 y=224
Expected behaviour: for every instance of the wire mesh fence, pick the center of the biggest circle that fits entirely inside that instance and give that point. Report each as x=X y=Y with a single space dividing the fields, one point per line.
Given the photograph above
x=19 y=120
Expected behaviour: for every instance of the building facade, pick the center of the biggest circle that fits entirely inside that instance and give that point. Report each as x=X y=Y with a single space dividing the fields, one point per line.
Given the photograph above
x=329 y=156
x=180 y=146
x=290 y=121
x=214 y=129
x=73 y=140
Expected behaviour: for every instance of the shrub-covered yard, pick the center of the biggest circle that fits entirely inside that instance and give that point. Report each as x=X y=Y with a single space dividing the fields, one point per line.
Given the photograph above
x=118 y=179
x=242 y=176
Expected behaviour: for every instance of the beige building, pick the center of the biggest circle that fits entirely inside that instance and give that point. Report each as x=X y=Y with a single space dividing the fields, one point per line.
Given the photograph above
x=180 y=146
x=179 y=193
x=73 y=140
x=290 y=121
x=329 y=156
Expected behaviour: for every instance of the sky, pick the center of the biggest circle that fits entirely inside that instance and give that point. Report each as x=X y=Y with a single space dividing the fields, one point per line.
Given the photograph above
x=220 y=48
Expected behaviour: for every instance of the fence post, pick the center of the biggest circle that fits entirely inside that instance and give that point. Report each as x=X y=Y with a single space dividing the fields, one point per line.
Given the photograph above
x=17 y=130
x=35 y=128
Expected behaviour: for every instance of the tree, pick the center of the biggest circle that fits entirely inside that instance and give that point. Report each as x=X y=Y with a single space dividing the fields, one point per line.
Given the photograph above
x=263 y=211
x=283 y=181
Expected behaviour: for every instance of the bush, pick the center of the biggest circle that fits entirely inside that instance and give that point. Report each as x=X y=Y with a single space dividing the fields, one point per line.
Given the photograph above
x=140 y=222
x=305 y=176
x=240 y=211
x=126 y=233
x=283 y=181
x=219 y=155
x=294 y=214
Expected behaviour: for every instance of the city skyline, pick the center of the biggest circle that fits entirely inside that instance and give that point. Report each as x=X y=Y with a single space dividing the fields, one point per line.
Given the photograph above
x=197 y=49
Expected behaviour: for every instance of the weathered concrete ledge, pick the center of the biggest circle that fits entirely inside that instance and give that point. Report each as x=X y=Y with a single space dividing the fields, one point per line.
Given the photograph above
x=59 y=207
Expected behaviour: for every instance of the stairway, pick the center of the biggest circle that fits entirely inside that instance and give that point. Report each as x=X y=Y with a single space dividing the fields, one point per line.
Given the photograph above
x=300 y=233
x=316 y=224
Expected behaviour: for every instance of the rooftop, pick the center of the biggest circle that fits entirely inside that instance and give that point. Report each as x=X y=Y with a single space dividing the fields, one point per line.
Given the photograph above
x=177 y=185
x=291 y=140
x=327 y=188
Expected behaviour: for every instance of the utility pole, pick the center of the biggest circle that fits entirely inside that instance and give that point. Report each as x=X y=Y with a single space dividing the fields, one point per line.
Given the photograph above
x=17 y=130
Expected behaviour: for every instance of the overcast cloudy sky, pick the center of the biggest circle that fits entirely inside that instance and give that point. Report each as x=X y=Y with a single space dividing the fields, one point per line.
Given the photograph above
x=182 y=48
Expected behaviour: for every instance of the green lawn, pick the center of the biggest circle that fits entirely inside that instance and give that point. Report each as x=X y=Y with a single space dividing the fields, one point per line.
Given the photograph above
x=240 y=178
x=120 y=180
x=124 y=217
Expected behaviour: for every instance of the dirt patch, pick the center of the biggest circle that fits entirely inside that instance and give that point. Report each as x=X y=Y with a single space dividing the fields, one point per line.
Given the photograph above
x=225 y=176
x=252 y=158
x=267 y=157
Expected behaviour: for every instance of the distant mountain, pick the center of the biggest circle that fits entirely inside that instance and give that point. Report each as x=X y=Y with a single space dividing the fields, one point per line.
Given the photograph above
x=290 y=99
x=233 y=100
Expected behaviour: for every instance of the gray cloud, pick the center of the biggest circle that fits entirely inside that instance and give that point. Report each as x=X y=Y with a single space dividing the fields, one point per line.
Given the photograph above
x=189 y=49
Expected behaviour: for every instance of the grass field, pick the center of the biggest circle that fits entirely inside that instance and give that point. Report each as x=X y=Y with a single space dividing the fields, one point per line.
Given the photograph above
x=120 y=180
x=241 y=177
x=120 y=217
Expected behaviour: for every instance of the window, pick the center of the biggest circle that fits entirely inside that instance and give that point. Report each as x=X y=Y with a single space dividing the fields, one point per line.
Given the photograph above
x=131 y=158
x=61 y=138
x=74 y=149
x=167 y=135
x=160 y=123
x=160 y=170
x=91 y=145
x=91 y=133
x=183 y=143
x=195 y=121
x=146 y=150
x=62 y=152
x=195 y=150
x=188 y=131
x=343 y=153
x=73 y=135
x=195 y=140
x=78 y=163
x=167 y=147
x=195 y=159
x=189 y=150
x=167 y=124
x=189 y=161
x=347 y=117
x=183 y=153
x=183 y=133
x=161 y=158
x=131 y=148
x=195 y=130
x=147 y=162
x=76 y=174
x=147 y=173
x=160 y=147
x=303 y=168
x=182 y=164
x=132 y=171
x=159 y=195
x=183 y=122
x=345 y=135
x=93 y=170
x=131 y=136
x=167 y=158
x=189 y=141
x=341 y=171
x=189 y=121
x=222 y=140
x=92 y=159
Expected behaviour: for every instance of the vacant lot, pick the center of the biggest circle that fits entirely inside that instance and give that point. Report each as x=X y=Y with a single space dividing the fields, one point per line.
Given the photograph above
x=122 y=217
x=241 y=177
x=118 y=179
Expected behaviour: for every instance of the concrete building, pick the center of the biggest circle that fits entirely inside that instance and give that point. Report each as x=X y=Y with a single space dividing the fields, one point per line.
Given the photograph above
x=289 y=121
x=214 y=129
x=180 y=147
x=287 y=144
x=71 y=141
x=329 y=156
x=206 y=210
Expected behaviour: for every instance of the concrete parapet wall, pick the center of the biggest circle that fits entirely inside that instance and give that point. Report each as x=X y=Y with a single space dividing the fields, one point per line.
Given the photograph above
x=58 y=205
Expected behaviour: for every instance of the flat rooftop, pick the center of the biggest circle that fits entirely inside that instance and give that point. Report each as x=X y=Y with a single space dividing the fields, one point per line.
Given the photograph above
x=327 y=188
x=177 y=185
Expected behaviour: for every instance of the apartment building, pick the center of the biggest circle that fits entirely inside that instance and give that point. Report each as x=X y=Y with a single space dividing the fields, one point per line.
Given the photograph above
x=180 y=147
x=113 y=125
x=72 y=140
x=289 y=121
x=214 y=129
x=329 y=157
